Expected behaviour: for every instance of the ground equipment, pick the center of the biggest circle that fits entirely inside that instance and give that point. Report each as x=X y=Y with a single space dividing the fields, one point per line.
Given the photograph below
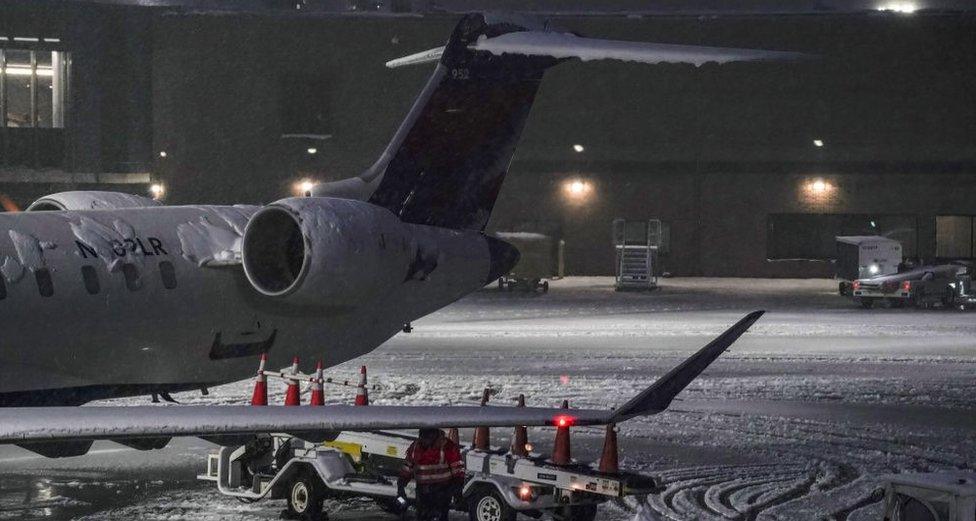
x=865 y=256
x=946 y=285
x=939 y=496
x=637 y=245
x=498 y=485
x=540 y=258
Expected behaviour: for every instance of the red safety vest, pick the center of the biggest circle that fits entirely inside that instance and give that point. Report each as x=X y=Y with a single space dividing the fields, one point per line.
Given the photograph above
x=439 y=463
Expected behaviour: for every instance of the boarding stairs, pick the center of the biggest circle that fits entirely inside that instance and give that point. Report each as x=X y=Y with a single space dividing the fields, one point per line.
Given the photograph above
x=636 y=244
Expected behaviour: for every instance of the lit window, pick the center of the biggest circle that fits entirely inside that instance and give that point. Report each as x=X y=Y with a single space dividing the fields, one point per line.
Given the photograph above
x=168 y=274
x=33 y=88
x=90 y=277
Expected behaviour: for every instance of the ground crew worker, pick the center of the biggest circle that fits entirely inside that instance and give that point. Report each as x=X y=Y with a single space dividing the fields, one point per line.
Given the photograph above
x=434 y=463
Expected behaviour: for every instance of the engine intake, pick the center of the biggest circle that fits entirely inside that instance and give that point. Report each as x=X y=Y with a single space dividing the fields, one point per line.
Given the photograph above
x=275 y=251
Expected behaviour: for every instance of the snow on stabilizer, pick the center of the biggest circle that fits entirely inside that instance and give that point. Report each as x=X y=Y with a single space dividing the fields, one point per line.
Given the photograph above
x=428 y=56
x=568 y=45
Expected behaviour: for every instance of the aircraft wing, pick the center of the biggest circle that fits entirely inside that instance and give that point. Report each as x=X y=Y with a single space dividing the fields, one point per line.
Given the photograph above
x=64 y=431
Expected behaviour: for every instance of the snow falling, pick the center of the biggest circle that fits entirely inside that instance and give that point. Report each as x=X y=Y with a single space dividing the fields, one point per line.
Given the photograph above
x=797 y=421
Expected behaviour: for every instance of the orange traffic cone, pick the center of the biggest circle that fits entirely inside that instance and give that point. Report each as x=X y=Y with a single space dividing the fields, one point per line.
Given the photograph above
x=260 y=395
x=608 y=461
x=560 y=451
x=520 y=440
x=362 y=395
x=318 y=386
x=293 y=396
x=482 y=436
x=452 y=434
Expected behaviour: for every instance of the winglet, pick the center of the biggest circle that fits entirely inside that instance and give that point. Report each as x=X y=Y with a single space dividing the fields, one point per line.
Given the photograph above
x=658 y=397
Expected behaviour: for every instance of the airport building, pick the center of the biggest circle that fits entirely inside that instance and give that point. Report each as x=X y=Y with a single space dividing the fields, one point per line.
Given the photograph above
x=753 y=168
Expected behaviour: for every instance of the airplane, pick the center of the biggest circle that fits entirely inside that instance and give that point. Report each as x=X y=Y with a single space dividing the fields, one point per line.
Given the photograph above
x=106 y=295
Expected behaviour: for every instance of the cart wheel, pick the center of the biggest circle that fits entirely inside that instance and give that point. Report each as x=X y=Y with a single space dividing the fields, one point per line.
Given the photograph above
x=545 y=286
x=948 y=298
x=305 y=497
x=578 y=513
x=484 y=504
x=390 y=506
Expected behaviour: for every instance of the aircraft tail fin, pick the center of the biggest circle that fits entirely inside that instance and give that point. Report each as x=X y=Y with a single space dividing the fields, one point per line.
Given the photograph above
x=446 y=163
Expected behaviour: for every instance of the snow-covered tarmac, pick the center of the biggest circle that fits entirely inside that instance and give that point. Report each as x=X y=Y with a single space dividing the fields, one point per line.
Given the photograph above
x=795 y=422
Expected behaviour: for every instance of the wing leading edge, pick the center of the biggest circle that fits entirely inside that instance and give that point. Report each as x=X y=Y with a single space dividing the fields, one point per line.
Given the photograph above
x=44 y=429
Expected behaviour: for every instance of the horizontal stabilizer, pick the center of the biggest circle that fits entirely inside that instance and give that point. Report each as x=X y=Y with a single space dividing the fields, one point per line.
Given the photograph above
x=428 y=56
x=567 y=45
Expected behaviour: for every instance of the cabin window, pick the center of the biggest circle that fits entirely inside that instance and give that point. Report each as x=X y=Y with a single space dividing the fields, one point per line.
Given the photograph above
x=45 y=286
x=131 y=274
x=168 y=274
x=90 y=277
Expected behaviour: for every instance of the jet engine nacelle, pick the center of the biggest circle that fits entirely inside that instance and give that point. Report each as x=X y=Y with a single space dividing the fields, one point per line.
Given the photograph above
x=90 y=200
x=325 y=251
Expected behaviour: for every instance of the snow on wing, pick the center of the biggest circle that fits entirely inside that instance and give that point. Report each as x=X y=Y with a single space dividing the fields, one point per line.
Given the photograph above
x=75 y=427
x=54 y=424
x=565 y=45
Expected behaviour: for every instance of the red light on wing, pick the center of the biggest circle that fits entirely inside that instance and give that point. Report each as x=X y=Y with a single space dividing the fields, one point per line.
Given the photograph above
x=563 y=420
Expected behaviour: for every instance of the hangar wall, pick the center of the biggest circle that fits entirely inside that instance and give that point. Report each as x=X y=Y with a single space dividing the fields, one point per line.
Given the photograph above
x=235 y=102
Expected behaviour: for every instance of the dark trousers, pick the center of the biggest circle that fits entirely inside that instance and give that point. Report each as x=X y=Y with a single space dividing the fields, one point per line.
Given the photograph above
x=434 y=501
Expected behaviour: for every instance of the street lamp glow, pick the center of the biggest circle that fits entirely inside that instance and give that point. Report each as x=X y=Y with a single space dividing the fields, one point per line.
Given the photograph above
x=157 y=190
x=578 y=148
x=162 y=154
x=304 y=187
x=312 y=150
x=819 y=186
x=577 y=191
x=899 y=7
x=818 y=143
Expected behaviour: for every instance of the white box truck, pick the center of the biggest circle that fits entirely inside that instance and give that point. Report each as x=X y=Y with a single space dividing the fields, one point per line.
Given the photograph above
x=864 y=257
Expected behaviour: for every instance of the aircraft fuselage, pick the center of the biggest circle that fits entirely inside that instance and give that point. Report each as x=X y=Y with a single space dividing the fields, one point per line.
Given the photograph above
x=104 y=303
